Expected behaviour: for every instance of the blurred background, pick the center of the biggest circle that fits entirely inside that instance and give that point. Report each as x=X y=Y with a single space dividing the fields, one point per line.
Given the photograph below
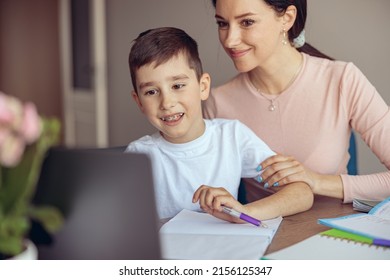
x=69 y=57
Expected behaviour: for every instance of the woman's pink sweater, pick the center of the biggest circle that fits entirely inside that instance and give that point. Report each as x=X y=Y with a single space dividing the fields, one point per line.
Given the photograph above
x=313 y=120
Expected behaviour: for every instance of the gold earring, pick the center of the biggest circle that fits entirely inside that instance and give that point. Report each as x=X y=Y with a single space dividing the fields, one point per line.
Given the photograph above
x=285 y=39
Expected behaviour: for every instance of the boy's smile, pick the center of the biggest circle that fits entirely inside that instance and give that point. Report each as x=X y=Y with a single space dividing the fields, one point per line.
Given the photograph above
x=170 y=96
x=172 y=119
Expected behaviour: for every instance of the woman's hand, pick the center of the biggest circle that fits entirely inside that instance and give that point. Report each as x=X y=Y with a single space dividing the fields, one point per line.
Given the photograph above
x=212 y=199
x=282 y=170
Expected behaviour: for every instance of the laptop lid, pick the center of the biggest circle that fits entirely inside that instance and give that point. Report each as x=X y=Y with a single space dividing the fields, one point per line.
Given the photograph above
x=107 y=198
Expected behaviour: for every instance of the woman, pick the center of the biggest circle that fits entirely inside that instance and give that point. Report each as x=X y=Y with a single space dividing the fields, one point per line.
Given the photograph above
x=299 y=101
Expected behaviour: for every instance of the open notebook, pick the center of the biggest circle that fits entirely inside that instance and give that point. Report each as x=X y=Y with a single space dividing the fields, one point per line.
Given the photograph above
x=374 y=224
x=195 y=235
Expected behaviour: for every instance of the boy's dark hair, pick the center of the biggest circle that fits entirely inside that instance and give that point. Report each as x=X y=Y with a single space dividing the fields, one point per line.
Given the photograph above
x=161 y=44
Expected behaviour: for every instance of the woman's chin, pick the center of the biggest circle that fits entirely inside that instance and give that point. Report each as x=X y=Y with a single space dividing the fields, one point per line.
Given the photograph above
x=242 y=68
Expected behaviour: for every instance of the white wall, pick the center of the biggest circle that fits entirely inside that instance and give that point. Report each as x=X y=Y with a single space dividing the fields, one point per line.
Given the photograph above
x=350 y=30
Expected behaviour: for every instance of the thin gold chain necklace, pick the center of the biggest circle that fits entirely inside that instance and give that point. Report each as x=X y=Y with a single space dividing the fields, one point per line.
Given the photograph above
x=272 y=106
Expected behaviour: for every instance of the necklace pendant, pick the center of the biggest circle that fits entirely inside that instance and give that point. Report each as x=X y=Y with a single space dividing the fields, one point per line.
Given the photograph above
x=272 y=107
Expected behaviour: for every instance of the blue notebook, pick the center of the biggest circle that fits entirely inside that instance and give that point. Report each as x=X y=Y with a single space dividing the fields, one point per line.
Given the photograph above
x=375 y=224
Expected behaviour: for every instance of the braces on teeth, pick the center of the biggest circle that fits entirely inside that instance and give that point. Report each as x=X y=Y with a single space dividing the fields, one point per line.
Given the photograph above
x=173 y=118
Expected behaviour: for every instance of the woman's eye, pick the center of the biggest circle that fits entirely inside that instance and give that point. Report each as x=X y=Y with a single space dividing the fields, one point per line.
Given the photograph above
x=222 y=24
x=178 y=86
x=247 y=22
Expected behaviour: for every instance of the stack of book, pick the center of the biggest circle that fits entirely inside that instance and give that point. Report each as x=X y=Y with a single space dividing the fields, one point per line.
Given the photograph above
x=364 y=205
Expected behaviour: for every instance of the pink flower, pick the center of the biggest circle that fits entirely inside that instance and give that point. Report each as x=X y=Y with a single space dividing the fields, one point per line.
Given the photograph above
x=20 y=125
x=11 y=150
x=31 y=127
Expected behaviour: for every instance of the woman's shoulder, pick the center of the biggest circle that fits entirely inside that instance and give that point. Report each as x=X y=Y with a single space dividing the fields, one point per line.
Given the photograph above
x=225 y=96
x=323 y=64
x=347 y=73
x=337 y=72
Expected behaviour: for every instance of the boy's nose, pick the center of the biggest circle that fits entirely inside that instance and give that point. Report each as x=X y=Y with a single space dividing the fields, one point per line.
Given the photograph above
x=168 y=101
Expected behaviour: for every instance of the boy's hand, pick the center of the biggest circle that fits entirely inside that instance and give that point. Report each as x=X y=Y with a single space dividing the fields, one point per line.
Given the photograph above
x=212 y=199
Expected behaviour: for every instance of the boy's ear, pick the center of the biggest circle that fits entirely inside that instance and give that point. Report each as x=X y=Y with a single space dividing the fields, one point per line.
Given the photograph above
x=136 y=99
x=205 y=83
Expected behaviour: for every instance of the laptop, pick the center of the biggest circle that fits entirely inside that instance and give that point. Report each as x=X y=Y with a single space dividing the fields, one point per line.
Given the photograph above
x=107 y=199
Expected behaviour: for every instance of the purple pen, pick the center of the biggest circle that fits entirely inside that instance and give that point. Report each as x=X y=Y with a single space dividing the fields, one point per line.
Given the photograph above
x=242 y=216
x=381 y=242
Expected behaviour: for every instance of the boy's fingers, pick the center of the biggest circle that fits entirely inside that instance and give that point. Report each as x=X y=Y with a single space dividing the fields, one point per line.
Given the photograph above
x=198 y=192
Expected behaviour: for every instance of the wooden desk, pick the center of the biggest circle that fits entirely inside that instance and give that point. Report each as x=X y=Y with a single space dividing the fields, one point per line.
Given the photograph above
x=300 y=226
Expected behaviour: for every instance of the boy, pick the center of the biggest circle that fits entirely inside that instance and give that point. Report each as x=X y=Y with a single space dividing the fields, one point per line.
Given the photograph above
x=196 y=160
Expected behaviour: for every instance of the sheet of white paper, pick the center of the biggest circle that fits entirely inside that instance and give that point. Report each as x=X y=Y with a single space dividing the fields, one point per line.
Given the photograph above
x=194 y=235
x=212 y=247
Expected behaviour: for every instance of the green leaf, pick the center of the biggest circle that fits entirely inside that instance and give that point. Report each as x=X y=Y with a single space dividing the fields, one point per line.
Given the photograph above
x=17 y=188
x=17 y=180
x=50 y=217
x=14 y=226
x=11 y=246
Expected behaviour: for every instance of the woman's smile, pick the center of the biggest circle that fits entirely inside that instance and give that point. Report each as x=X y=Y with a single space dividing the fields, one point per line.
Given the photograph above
x=237 y=53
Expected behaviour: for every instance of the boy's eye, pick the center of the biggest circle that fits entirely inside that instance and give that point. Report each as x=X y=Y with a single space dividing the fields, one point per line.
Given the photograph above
x=247 y=22
x=178 y=86
x=222 y=24
x=151 y=92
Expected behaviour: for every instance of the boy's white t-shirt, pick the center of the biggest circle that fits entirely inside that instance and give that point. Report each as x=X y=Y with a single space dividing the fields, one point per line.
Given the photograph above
x=225 y=153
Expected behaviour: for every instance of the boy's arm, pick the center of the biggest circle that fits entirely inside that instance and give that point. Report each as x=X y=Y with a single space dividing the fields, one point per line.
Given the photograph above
x=294 y=198
x=291 y=199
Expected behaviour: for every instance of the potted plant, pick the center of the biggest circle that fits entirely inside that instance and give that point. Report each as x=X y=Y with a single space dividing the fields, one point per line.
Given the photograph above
x=25 y=137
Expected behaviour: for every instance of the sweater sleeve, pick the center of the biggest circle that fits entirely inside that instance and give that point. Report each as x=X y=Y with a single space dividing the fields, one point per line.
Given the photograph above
x=369 y=115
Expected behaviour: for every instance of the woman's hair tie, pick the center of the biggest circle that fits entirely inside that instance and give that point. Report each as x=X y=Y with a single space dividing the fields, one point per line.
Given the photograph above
x=299 y=41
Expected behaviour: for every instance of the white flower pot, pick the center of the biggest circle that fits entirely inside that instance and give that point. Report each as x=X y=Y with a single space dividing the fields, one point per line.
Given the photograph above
x=31 y=252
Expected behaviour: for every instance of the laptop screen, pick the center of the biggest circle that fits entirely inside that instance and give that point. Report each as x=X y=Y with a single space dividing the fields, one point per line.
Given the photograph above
x=107 y=199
